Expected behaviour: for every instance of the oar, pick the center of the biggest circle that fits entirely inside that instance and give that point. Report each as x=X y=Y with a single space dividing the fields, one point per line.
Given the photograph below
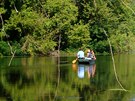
x=74 y=61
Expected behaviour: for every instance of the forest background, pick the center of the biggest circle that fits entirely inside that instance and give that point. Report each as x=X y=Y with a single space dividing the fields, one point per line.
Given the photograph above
x=39 y=27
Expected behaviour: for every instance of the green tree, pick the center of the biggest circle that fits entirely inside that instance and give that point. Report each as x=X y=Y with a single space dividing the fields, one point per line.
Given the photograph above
x=79 y=36
x=109 y=16
x=34 y=27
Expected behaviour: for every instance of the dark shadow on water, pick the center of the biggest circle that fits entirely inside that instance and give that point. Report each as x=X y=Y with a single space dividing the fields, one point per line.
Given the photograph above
x=4 y=93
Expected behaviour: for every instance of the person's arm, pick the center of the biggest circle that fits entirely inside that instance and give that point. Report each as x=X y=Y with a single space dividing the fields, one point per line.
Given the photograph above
x=94 y=55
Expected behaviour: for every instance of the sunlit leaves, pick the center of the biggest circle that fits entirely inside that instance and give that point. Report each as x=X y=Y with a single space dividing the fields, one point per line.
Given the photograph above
x=2 y=10
x=79 y=35
x=124 y=39
x=60 y=17
x=61 y=13
x=79 y=22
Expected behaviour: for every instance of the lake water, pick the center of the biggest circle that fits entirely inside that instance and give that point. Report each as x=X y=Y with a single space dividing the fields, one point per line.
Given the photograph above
x=57 y=79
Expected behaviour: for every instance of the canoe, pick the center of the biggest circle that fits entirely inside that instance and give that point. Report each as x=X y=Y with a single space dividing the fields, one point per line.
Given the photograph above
x=86 y=61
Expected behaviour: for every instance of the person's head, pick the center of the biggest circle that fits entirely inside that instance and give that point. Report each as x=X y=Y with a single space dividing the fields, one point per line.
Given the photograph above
x=92 y=51
x=80 y=49
x=88 y=50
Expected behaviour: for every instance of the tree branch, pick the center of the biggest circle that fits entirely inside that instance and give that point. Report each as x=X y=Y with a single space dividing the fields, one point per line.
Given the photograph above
x=2 y=23
x=116 y=76
x=95 y=4
x=128 y=7
x=15 y=8
x=13 y=54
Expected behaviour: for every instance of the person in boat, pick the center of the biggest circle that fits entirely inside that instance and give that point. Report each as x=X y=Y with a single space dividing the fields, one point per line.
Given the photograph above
x=80 y=54
x=91 y=54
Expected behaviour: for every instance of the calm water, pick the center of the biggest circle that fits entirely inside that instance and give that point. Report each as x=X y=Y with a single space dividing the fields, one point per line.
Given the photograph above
x=57 y=79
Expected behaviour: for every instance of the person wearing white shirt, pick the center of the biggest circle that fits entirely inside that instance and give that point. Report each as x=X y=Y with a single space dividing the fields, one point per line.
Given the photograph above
x=80 y=54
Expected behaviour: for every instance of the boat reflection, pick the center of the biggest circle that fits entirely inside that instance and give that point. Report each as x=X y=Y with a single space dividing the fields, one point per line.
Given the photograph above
x=84 y=69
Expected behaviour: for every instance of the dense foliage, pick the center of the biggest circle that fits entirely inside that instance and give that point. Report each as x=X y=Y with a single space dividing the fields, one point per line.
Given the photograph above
x=39 y=26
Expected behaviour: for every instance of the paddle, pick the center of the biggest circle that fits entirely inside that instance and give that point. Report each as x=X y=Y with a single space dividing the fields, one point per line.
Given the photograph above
x=74 y=61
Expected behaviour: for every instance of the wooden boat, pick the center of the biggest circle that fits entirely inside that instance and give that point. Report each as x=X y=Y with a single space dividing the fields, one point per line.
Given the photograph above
x=86 y=61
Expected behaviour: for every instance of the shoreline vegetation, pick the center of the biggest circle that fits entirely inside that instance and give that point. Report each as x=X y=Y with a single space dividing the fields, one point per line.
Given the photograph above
x=40 y=28
x=65 y=53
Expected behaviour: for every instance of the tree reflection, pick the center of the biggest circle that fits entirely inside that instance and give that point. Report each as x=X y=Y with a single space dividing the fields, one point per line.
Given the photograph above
x=36 y=79
x=27 y=82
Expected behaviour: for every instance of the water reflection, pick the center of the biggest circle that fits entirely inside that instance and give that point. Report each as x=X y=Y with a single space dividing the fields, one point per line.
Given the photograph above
x=91 y=70
x=84 y=69
x=36 y=79
x=81 y=71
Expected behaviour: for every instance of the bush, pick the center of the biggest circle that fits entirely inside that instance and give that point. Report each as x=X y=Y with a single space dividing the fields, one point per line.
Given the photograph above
x=4 y=48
